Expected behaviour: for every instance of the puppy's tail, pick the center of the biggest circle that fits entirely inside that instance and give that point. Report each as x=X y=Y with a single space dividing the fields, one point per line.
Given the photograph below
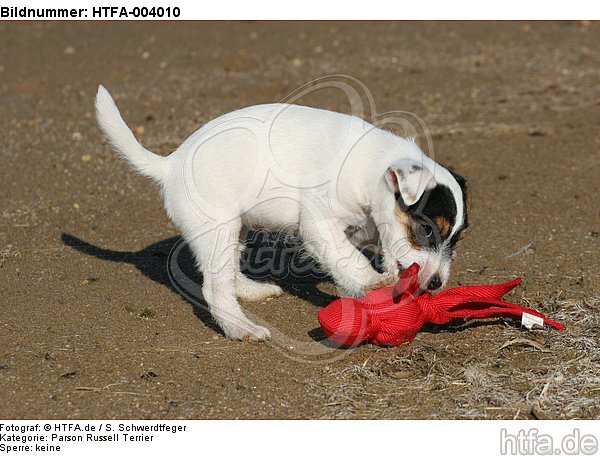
x=121 y=138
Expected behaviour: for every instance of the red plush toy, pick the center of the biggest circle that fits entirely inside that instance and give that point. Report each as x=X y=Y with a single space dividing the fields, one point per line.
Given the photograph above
x=393 y=315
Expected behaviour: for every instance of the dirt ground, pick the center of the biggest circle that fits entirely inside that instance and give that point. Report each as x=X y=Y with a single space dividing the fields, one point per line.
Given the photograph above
x=92 y=328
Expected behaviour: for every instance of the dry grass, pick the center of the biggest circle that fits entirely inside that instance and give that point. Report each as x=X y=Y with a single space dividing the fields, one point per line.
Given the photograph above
x=9 y=251
x=486 y=371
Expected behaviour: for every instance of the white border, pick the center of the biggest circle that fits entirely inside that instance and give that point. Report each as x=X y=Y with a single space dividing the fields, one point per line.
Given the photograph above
x=326 y=438
x=350 y=9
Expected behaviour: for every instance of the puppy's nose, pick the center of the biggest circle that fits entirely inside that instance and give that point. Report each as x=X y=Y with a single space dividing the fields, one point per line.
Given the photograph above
x=435 y=283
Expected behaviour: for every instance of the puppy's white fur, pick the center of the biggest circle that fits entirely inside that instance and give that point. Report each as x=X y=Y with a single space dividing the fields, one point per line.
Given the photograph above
x=305 y=171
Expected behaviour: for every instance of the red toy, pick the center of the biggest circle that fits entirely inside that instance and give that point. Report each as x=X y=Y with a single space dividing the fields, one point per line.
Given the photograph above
x=393 y=315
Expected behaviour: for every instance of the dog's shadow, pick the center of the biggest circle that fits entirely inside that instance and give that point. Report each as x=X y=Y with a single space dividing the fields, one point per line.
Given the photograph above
x=265 y=258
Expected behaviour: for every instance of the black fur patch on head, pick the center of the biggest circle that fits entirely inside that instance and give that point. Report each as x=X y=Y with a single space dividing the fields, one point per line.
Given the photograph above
x=433 y=216
x=437 y=202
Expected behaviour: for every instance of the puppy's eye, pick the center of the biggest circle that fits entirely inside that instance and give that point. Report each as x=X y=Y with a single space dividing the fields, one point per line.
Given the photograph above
x=426 y=234
x=427 y=230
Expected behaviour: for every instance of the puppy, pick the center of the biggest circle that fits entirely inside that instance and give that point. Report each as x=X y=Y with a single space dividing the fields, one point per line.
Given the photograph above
x=331 y=179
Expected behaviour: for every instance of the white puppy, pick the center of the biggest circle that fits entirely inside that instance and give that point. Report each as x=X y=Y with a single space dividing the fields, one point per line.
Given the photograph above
x=332 y=179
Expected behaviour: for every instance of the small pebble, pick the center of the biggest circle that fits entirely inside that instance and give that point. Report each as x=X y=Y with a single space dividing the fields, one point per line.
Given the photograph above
x=538 y=132
x=139 y=130
x=86 y=158
x=77 y=136
x=69 y=50
x=145 y=55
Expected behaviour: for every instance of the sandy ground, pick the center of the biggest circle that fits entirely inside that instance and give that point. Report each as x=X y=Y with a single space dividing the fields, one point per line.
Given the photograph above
x=92 y=328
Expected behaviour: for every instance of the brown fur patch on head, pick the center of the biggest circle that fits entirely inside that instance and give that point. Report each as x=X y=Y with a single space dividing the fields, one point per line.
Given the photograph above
x=409 y=226
x=444 y=226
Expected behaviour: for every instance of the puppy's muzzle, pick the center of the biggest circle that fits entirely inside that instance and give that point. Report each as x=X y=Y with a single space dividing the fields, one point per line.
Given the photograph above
x=434 y=283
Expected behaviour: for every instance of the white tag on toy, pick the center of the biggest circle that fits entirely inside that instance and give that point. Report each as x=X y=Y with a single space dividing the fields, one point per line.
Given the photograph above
x=529 y=321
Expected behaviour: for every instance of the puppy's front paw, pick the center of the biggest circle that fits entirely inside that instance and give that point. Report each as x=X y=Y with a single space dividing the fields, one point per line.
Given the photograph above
x=247 y=331
x=382 y=281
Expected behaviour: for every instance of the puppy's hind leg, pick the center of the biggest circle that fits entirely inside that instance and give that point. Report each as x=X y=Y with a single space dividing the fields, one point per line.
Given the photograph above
x=217 y=253
x=251 y=290
x=248 y=289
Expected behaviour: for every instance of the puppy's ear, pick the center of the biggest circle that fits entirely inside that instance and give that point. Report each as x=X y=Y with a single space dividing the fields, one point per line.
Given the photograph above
x=409 y=179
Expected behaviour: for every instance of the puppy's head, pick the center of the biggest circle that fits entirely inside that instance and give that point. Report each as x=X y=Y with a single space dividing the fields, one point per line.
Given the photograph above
x=428 y=219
